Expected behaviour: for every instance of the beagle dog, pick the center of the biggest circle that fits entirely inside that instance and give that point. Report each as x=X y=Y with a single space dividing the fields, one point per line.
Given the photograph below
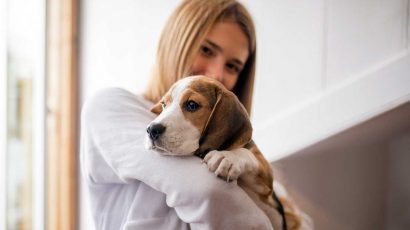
x=199 y=116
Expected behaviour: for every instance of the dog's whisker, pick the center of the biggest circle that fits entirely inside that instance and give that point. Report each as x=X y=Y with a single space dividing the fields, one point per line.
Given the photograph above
x=162 y=149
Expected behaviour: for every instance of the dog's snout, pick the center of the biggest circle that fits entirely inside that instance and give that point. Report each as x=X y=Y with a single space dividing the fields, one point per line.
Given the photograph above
x=155 y=130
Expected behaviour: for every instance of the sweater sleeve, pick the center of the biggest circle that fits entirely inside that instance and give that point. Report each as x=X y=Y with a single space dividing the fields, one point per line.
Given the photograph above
x=113 y=132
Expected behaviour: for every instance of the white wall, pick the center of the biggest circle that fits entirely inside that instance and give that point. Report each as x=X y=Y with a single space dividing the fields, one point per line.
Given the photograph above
x=118 y=42
x=330 y=65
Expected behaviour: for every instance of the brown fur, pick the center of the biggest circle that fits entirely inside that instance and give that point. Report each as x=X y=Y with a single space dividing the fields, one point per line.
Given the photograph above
x=234 y=125
x=196 y=118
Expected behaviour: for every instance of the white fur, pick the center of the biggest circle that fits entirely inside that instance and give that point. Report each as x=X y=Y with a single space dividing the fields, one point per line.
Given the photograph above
x=181 y=137
x=231 y=164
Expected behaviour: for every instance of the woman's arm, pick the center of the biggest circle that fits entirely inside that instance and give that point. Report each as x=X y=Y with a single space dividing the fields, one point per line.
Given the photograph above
x=113 y=129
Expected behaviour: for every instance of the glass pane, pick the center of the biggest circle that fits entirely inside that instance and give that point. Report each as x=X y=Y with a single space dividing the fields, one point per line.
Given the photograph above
x=20 y=73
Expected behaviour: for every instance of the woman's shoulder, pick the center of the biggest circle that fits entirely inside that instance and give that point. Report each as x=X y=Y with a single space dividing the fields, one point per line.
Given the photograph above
x=116 y=95
x=114 y=100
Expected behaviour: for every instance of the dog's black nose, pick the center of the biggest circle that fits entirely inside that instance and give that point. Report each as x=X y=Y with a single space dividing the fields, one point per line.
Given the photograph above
x=155 y=130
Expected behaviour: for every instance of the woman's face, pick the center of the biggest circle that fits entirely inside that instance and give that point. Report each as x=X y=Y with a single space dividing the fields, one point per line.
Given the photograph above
x=223 y=54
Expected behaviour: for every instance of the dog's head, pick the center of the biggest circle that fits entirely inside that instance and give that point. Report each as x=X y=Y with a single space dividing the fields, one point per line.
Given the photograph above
x=196 y=115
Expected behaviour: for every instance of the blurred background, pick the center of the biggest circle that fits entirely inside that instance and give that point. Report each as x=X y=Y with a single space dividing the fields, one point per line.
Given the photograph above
x=331 y=104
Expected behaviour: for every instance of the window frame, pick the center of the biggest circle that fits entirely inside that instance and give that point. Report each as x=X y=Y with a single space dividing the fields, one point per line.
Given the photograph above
x=62 y=115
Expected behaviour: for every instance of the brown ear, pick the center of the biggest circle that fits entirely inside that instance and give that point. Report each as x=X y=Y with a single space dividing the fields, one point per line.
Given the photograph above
x=229 y=126
x=157 y=108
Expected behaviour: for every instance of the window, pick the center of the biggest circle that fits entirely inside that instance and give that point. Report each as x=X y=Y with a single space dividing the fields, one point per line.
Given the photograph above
x=22 y=113
x=38 y=114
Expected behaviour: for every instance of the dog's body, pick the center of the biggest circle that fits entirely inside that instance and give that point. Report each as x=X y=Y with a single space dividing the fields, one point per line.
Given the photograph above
x=198 y=115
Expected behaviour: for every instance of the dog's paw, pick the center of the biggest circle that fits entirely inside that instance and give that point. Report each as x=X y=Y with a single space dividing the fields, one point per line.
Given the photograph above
x=225 y=164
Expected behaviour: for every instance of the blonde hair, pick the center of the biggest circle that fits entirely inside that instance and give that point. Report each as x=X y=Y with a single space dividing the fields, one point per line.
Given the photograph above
x=182 y=37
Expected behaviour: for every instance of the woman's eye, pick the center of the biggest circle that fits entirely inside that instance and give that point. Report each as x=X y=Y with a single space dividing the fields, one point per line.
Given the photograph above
x=191 y=106
x=233 y=68
x=206 y=51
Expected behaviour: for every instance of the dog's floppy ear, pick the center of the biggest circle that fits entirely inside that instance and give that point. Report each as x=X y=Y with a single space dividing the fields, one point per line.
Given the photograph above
x=228 y=126
x=157 y=108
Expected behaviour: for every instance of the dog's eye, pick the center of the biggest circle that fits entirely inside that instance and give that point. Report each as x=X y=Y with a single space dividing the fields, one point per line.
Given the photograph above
x=163 y=105
x=191 y=106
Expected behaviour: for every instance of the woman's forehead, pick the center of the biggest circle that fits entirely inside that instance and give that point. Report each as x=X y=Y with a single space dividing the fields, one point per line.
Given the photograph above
x=232 y=41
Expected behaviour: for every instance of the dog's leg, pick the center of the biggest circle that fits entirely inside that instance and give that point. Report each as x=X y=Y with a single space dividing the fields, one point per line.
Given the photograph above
x=230 y=165
x=254 y=175
x=265 y=177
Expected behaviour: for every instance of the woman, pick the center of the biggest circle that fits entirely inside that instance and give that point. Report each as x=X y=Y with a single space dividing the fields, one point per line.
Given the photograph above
x=132 y=188
x=191 y=44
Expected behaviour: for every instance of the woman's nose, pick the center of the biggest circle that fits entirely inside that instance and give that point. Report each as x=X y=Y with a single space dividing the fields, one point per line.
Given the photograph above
x=215 y=71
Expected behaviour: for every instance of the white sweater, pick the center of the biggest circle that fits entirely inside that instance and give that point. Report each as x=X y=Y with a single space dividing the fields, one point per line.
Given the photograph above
x=132 y=188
